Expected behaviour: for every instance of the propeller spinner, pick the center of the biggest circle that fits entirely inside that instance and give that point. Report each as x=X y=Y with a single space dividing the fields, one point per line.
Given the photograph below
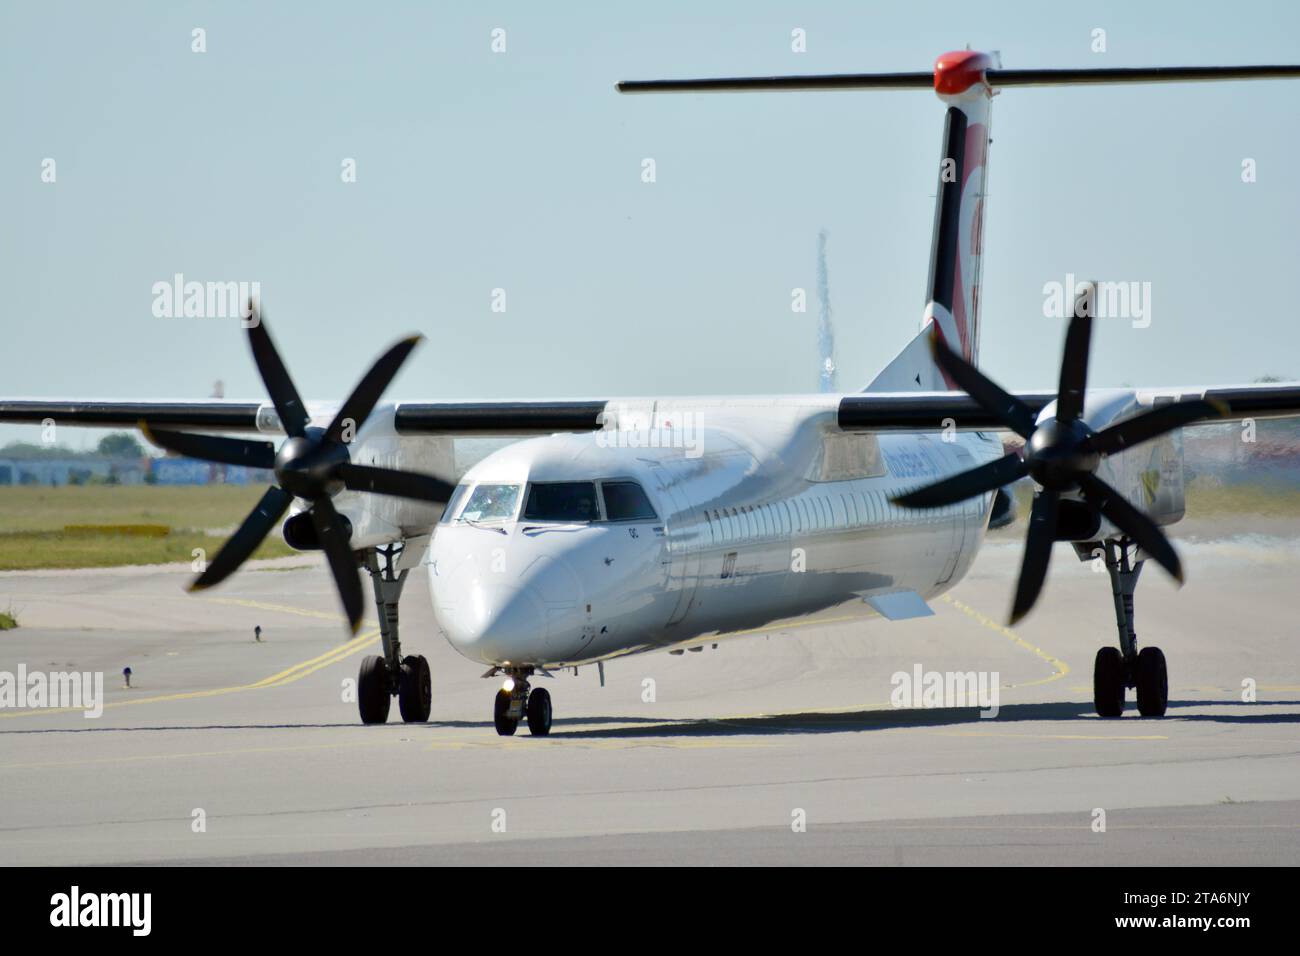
x=1061 y=454
x=312 y=464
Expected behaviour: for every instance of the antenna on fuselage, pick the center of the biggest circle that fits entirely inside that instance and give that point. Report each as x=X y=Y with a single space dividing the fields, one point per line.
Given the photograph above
x=825 y=326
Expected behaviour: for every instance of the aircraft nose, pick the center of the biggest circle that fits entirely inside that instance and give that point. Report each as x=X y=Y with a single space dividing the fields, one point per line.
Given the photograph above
x=495 y=621
x=521 y=605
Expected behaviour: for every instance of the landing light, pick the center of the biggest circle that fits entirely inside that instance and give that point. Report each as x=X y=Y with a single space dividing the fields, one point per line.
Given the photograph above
x=509 y=685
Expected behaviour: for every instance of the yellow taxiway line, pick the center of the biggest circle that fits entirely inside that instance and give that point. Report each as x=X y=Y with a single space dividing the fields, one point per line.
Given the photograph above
x=286 y=677
x=1060 y=668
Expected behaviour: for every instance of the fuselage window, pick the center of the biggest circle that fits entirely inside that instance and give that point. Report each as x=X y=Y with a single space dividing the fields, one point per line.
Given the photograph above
x=491 y=503
x=626 y=501
x=561 y=501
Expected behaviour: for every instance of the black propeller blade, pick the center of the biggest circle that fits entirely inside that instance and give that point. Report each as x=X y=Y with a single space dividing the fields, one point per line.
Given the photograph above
x=390 y=481
x=227 y=451
x=1038 y=552
x=1134 y=523
x=1074 y=362
x=1013 y=413
x=1153 y=424
x=264 y=517
x=362 y=401
x=334 y=541
x=1061 y=455
x=968 y=484
x=313 y=464
x=288 y=405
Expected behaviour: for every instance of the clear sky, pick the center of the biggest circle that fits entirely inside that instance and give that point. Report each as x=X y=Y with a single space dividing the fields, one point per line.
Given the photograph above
x=522 y=170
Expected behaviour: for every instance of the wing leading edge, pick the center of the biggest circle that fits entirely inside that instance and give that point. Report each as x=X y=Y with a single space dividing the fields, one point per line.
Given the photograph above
x=902 y=411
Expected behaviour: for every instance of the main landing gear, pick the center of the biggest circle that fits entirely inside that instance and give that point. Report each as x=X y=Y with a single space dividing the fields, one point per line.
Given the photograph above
x=1117 y=669
x=516 y=700
x=383 y=678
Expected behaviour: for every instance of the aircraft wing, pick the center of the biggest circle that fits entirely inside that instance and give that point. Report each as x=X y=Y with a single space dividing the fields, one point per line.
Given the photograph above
x=466 y=418
x=890 y=411
x=207 y=415
x=921 y=411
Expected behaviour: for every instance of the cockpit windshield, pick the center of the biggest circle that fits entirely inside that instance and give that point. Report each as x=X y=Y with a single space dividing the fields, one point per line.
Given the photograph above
x=562 y=501
x=491 y=503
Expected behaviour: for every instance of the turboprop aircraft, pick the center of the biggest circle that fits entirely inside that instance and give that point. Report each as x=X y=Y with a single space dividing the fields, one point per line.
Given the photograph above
x=623 y=526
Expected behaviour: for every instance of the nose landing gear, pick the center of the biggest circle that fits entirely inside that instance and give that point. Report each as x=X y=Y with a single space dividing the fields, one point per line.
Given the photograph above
x=1117 y=669
x=516 y=700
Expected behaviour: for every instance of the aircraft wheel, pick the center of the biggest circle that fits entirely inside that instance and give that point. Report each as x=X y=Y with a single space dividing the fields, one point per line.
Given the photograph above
x=501 y=707
x=1108 y=682
x=373 y=697
x=1152 y=682
x=415 y=690
x=539 y=712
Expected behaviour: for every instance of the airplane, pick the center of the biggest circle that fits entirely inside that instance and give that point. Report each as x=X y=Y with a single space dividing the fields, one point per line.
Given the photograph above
x=619 y=526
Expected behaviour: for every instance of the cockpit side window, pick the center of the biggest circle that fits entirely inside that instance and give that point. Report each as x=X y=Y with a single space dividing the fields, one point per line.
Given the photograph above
x=626 y=501
x=562 y=501
x=457 y=496
x=491 y=503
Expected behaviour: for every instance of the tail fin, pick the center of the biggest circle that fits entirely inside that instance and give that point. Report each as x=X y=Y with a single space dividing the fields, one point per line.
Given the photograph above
x=964 y=80
x=953 y=289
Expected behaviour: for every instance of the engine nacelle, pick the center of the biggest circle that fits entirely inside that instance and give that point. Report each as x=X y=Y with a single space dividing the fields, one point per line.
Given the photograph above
x=300 y=533
x=1076 y=521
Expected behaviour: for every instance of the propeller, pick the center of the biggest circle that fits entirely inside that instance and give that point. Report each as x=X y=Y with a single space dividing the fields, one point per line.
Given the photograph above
x=312 y=464
x=1061 y=454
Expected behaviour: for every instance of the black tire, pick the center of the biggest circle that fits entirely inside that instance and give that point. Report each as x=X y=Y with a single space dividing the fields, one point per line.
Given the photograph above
x=539 y=712
x=1108 y=682
x=506 y=726
x=415 y=690
x=1152 y=682
x=373 y=697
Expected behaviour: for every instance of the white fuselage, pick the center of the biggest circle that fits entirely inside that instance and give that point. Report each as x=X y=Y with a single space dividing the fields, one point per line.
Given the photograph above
x=765 y=516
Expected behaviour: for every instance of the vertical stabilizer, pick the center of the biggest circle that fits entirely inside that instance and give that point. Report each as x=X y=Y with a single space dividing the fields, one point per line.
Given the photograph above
x=953 y=286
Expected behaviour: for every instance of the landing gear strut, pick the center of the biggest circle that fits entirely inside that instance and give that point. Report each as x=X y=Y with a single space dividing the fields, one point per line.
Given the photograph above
x=516 y=700
x=383 y=678
x=1117 y=669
